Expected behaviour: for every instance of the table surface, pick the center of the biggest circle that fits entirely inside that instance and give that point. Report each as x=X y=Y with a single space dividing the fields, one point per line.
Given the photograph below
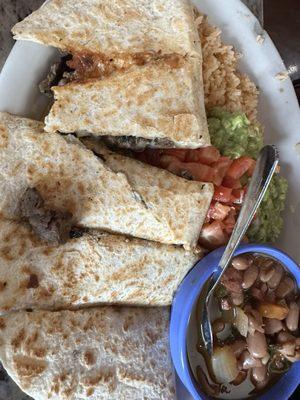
x=15 y=10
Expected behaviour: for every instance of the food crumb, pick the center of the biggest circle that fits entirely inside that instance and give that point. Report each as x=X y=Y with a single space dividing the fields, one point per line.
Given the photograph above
x=260 y=39
x=292 y=69
x=282 y=76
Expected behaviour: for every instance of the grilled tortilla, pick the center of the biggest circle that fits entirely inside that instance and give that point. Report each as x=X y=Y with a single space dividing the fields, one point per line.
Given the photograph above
x=149 y=203
x=90 y=268
x=113 y=27
x=98 y=353
x=154 y=102
x=136 y=70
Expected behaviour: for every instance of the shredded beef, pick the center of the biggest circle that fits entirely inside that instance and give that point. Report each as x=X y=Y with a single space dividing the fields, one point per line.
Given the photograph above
x=136 y=143
x=60 y=73
x=50 y=226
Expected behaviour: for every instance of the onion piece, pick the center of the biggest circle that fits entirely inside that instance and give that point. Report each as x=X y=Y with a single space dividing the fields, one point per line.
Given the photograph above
x=224 y=364
x=241 y=321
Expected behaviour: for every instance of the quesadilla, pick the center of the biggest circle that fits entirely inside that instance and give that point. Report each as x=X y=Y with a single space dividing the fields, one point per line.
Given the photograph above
x=113 y=353
x=148 y=203
x=90 y=268
x=134 y=70
x=152 y=102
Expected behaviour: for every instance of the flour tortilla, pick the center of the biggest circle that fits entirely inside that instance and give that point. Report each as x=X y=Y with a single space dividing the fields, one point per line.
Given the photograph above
x=72 y=179
x=152 y=101
x=113 y=27
x=99 y=353
x=157 y=101
x=91 y=269
x=145 y=180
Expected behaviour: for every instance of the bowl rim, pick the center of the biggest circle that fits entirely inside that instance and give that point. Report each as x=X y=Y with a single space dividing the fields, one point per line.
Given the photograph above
x=182 y=305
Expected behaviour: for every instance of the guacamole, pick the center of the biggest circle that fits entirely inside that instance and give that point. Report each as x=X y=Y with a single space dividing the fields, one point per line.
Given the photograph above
x=235 y=136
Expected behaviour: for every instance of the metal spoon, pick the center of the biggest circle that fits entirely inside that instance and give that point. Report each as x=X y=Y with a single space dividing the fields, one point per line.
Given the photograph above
x=265 y=167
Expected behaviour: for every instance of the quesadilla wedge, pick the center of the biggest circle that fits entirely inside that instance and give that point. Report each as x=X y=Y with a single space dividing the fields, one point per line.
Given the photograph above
x=90 y=268
x=154 y=102
x=71 y=179
x=134 y=70
x=113 y=27
x=113 y=353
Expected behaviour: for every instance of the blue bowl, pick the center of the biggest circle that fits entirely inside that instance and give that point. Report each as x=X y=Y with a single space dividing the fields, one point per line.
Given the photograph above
x=182 y=307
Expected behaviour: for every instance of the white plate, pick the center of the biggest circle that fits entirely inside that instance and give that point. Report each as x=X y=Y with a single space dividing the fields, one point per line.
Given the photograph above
x=278 y=108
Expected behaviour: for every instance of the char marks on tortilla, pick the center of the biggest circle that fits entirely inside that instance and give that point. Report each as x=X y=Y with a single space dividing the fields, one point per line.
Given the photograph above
x=113 y=27
x=104 y=353
x=152 y=101
x=70 y=178
x=137 y=69
x=92 y=268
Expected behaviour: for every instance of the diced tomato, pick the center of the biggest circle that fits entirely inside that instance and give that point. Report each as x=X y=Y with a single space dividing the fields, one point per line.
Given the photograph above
x=177 y=168
x=238 y=196
x=212 y=235
x=166 y=160
x=204 y=155
x=239 y=167
x=200 y=172
x=222 y=166
x=231 y=183
x=230 y=221
x=178 y=153
x=218 y=211
x=251 y=169
x=222 y=194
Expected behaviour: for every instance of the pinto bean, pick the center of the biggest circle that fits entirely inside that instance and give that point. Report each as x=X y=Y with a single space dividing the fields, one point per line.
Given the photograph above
x=218 y=326
x=240 y=378
x=238 y=347
x=272 y=326
x=232 y=280
x=257 y=344
x=265 y=274
x=285 y=287
x=270 y=296
x=259 y=373
x=284 y=337
x=247 y=361
x=241 y=263
x=255 y=321
x=250 y=276
x=276 y=278
x=237 y=298
x=292 y=319
x=257 y=293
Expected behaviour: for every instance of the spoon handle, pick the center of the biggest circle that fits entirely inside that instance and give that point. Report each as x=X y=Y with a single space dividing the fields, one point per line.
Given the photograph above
x=265 y=167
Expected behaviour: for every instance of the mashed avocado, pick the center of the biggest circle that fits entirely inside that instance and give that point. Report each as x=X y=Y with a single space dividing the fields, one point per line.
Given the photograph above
x=268 y=223
x=235 y=136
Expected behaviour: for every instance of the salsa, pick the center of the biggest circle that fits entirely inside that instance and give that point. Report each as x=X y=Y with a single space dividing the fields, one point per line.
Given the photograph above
x=228 y=164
